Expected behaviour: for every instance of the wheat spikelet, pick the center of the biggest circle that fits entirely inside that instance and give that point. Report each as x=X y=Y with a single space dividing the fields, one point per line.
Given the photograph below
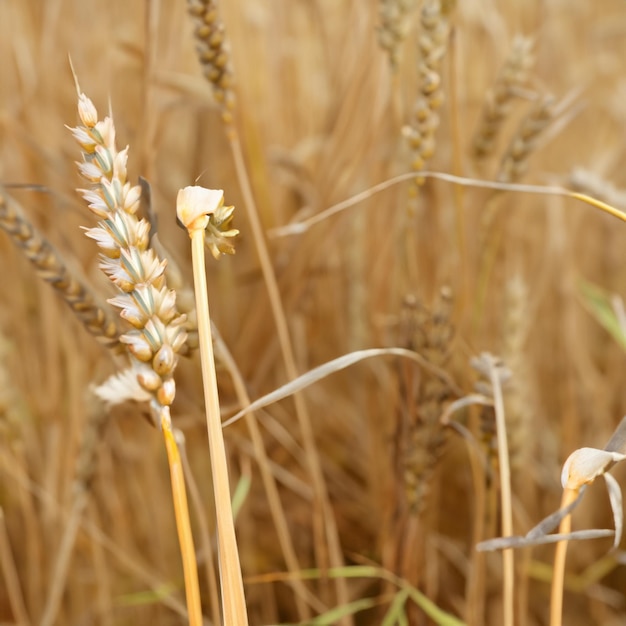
x=424 y=121
x=395 y=17
x=498 y=101
x=51 y=268
x=515 y=160
x=426 y=437
x=213 y=53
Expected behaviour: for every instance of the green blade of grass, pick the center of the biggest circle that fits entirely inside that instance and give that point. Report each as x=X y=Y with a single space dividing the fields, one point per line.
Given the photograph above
x=334 y=615
x=598 y=303
x=396 y=613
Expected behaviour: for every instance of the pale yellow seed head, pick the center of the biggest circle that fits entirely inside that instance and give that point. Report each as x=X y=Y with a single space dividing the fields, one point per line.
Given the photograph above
x=195 y=204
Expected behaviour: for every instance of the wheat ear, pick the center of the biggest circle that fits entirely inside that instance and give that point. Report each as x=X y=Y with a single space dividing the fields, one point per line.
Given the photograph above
x=499 y=98
x=426 y=436
x=395 y=21
x=515 y=160
x=50 y=267
x=213 y=54
x=199 y=209
x=146 y=303
x=424 y=121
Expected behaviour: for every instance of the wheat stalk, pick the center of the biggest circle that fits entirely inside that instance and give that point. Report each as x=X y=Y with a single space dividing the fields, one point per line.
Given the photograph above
x=497 y=374
x=200 y=209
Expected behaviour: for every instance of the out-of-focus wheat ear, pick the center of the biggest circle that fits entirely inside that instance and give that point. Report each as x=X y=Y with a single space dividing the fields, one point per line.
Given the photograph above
x=424 y=120
x=395 y=21
x=214 y=54
x=426 y=435
x=499 y=98
x=515 y=160
x=50 y=267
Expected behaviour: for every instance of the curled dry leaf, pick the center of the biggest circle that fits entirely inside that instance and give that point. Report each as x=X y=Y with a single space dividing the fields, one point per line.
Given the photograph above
x=584 y=465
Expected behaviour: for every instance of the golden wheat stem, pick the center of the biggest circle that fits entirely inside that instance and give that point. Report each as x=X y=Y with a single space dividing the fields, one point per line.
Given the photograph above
x=233 y=600
x=183 y=525
x=205 y=537
x=505 y=496
x=558 y=574
x=323 y=518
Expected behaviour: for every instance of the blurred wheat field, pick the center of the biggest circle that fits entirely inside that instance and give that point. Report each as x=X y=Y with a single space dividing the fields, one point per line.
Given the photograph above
x=449 y=272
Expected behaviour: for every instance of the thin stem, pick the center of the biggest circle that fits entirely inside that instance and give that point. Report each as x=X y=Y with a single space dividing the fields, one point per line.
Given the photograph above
x=205 y=537
x=508 y=582
x=11 y=578
x=183 y=525
x=303 y=595
x=61 y=565
x=558 y=575
x=323 y=518
x=233 y=600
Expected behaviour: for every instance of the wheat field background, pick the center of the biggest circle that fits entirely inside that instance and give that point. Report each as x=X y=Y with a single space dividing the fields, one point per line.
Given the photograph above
x=449 y=272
